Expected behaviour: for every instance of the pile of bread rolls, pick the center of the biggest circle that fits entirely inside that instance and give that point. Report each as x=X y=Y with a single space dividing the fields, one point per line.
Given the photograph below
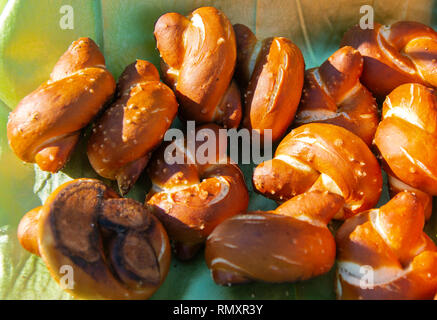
x=327 y=165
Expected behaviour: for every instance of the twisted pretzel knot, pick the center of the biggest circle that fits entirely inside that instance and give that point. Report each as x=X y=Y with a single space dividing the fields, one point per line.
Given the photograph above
x=45 y=126
x=133 y=126
x=198 y=59
x=193 y=197
x=389 y=240
x=333 y=94
x=116 y=247
x=322 y=157
x=406 y=139
x=393 y=55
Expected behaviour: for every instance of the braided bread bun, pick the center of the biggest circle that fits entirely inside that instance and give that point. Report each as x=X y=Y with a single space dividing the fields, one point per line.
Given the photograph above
x=333 y=94
x=406 y=139
x=288 y=244
x=271 y=73
x=198 y=59
x=390 y=244
x=320 y=156
x=133 y=126
x=401 y=53
x=45 y=126
x=116 y=248
x=193 y=197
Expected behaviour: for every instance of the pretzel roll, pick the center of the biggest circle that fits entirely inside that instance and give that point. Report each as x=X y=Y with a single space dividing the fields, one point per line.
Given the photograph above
x=45 y=126
x=113 y=248
x=288 y=244
x=191 y=197
x=133 y=126
x=319 y=156
x=393 y=55
x=198 y=59
x=406 y=138
x=271 y=72
x=384 y=253
x=333 y=94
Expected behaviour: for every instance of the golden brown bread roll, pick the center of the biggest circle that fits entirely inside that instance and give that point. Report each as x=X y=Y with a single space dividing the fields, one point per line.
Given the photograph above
x=406 y=139
x=133 y=126
x=271 y=73
x=45 y=126
x=116 y=248
x=288 y=244
x=198 y=59
x=393 y=55
x=384 y=253
x=333 y=94
x=319 y=156
x=191 y=198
